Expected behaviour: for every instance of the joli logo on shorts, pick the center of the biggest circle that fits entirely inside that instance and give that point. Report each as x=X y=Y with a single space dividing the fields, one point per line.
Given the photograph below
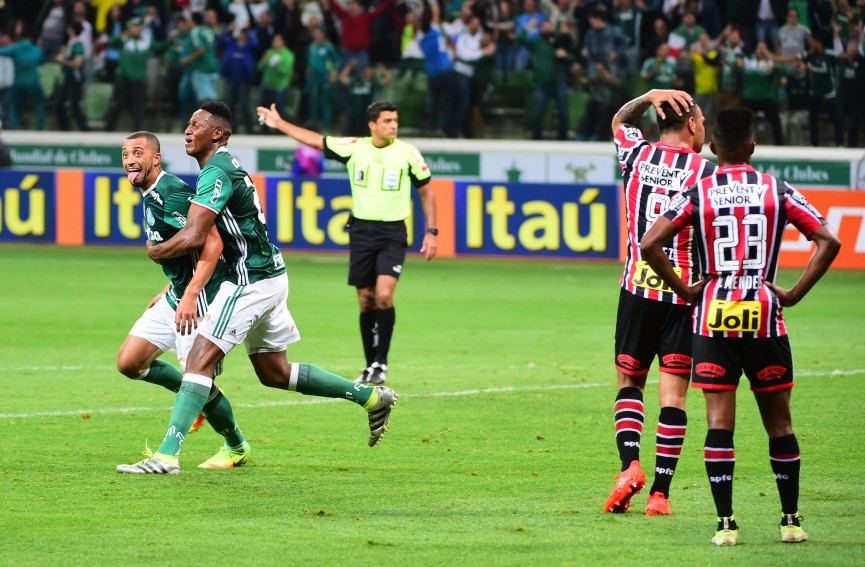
x=647 y=278
x=743 y=316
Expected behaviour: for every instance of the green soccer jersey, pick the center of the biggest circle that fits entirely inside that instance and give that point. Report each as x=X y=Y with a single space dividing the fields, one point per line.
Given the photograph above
x=821 y=74
x=225 y=188
x=202 y=37
x=381 y=178
x=760 y=79
x=166 y=205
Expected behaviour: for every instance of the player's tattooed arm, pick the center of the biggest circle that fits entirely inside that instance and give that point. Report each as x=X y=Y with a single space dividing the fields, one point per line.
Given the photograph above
x=633 y=111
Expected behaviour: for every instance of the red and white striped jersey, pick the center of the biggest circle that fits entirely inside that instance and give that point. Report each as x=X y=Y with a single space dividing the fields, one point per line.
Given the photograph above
x=738 y=216
x=652 y=175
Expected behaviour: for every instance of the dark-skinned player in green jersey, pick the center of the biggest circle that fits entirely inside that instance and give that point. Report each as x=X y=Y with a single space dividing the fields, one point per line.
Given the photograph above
x=170 y=321
x=250 y=307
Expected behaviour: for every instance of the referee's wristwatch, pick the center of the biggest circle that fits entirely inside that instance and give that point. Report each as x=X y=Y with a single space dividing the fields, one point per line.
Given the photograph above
x=433 y=230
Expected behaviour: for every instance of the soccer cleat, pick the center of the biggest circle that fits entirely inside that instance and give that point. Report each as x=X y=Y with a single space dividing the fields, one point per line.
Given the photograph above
x=379 y=414
x=658 y=505
x=628 y=483
x=364 y=376
x=196 y=425
x=377 y=374
x=150 y=465
x=728 y=532
x=228 y=458
x=791 y=529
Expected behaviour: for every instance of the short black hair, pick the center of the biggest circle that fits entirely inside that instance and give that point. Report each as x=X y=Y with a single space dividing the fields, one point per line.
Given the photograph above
x=151 y=138
x=734 y=128
x=77 y=27
x=374 y=110
x=672 y=120
x=221 y=111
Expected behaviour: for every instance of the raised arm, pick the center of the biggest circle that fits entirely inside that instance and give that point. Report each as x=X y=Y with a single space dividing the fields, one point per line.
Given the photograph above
x=632 y=111
x=191 y=237
x=270 y=117
x=186 y=315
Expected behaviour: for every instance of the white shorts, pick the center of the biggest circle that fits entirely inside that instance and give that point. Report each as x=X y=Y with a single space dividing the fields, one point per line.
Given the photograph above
x=254 y=314
x=157 y=326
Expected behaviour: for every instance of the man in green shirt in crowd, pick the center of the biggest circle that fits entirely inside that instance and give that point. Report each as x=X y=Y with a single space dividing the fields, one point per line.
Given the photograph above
x=129 y=84
x=851 y=89
x=822 y=95
x=277 y=69
x=381 y=171
x=761 y=75
x=170 y=321
x=201 y=62
x=250 y=306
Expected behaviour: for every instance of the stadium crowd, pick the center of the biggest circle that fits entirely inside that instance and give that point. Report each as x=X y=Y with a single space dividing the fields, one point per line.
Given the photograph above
x=459 y=69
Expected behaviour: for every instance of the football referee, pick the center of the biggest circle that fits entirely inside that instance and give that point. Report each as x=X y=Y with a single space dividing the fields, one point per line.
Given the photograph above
x=381 y=171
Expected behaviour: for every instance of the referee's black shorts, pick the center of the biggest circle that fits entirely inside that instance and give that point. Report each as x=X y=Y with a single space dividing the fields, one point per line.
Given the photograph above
x=376 y=248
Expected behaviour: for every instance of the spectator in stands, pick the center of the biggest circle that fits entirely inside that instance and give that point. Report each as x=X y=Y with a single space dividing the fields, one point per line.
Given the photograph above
x=154 y=27
x=628 y=18
x=53 y=28
x=792 y=37
x=288 y=21
x=7 y=78
x=605 y=97
x=659 y=36
x=261 y=30
x=707 y=64
x=237 y=68
x=604 y=44
x=277 y=73
x=795 y=115
x=551 y=58
x=761 y=76
x=177 y=77
x=770 y=15
x=321 y=68
x=440 y=73
x=504 y=35
x=362 y=89
x=528 y=24
x=201 y=60
x=681 y=41
x=851 y=89
x=822 y=94
x=731 y=50
x=71 y=58
x=741 y=14
x=467 y=53
x=87 y=37
x=26 y=87
x=659 y=72
x=111 y=58
x=356 y=28
x=130 y=80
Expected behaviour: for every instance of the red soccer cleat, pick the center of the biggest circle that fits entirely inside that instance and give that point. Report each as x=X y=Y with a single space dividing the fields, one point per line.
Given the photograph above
x=658 y=505
x=196 y=425
x=628 y=483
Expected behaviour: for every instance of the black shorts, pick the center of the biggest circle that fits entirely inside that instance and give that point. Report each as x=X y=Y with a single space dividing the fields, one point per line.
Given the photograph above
x=645 y=329
x=375 y=249
x=719 y=362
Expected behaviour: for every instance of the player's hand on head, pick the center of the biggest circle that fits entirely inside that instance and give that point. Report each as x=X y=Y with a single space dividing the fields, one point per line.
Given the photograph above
x=679 y=100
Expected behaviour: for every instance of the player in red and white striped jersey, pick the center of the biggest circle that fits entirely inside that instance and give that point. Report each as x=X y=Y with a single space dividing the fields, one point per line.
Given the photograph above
x=738 y=216
x=651 y=321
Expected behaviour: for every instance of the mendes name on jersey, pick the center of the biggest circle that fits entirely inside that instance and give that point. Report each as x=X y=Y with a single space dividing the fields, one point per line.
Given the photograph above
x=652 y=175
x=738 y=216
x=381 y=178
x=226 y=189
x=166 y=204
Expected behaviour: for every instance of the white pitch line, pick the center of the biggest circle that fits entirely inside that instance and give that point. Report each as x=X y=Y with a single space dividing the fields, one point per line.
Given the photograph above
x=314 y=401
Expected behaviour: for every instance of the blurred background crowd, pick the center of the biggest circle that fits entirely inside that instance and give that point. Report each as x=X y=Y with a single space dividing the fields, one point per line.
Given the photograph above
x=555 y=69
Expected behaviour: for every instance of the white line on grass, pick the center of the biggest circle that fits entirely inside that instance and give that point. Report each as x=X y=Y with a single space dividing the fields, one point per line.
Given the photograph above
x=304 y=402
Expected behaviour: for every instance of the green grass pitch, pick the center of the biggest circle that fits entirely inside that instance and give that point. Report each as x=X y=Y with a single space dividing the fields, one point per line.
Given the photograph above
x=500 y=450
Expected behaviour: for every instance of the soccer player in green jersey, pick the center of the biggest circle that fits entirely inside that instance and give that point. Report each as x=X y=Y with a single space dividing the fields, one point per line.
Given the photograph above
x=250 y=306
x=171 y=318
x=381 y=170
